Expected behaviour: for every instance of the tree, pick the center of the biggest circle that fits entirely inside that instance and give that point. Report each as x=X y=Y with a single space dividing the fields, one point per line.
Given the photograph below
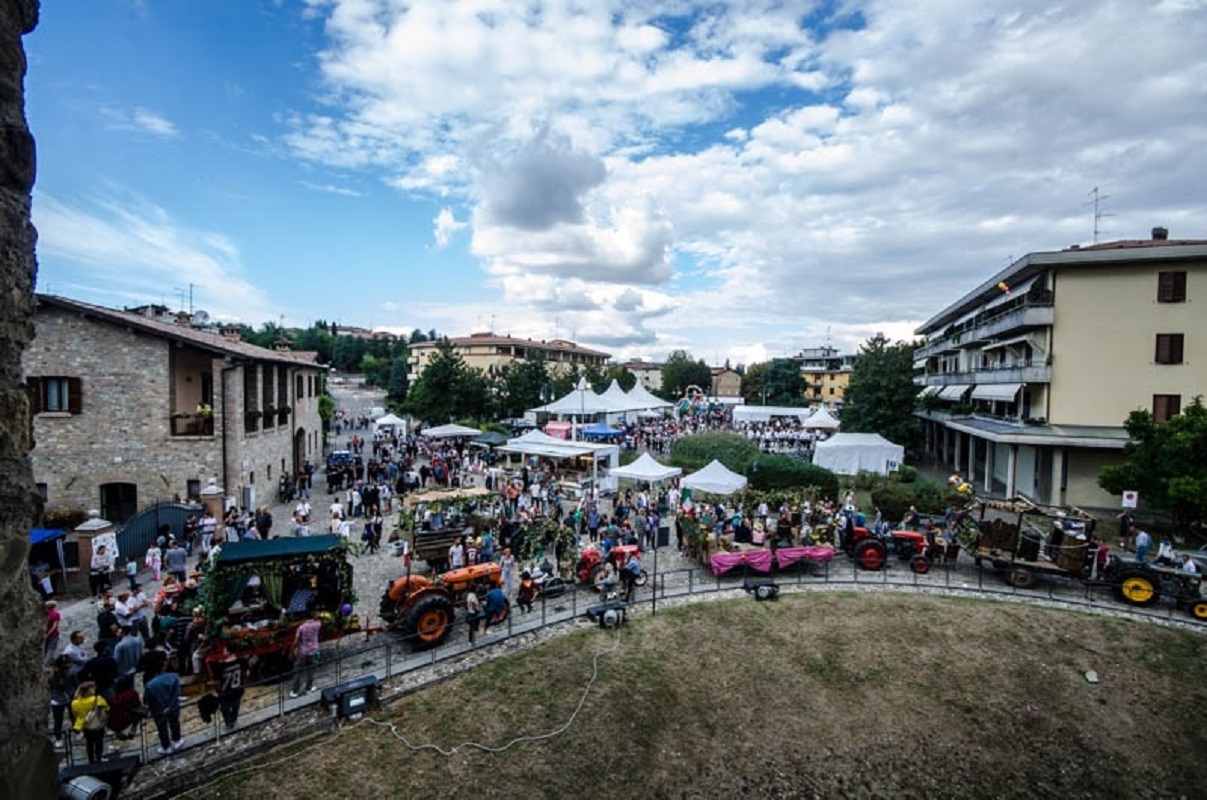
x=316 y=338
x=433 y=398
x=622 y=376
x=882 y=396
x=519 y=386
x=1166 y=463
x=777 y=382
x=396 y=389
x=680 y=372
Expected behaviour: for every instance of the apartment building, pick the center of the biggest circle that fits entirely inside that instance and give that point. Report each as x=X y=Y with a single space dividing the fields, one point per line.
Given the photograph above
x=827 y=374
x=489 y=352
x=1027 y=379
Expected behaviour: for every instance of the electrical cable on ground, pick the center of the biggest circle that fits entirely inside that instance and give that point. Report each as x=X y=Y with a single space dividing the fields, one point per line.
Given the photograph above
x=417 y=747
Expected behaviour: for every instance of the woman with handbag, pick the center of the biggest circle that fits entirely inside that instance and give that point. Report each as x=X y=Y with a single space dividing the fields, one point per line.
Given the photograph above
x=90 y=713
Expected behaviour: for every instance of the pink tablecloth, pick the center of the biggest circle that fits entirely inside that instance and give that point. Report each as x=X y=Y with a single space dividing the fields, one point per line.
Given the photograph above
x=757 y=560
x=787 y=556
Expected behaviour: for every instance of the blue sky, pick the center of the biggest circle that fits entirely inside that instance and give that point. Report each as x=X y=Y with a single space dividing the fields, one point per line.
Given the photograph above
x=740 y=180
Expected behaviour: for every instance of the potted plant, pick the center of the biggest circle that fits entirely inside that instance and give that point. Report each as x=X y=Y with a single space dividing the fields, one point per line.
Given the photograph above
x=205 y=410
x=253 y=416
x=283 y=413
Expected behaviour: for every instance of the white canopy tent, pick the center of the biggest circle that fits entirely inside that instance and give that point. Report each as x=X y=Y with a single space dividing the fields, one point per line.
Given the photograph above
x=715 y=478
x=641 y=398
x=537 y=443
x=852 y=453
x=618 y=402
x=646 y=468
x=450 y=431
x=391 y=421
x=580 y=401
x=765 y=413
x=822 y=420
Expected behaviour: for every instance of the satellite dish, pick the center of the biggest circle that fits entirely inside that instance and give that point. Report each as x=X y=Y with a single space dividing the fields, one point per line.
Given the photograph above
x=201 y=317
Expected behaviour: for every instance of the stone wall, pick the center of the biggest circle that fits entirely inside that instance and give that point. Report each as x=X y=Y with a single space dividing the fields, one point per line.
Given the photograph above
x=26 y=764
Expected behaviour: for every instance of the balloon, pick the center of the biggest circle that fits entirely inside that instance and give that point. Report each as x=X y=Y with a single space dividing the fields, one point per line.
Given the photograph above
x=1004 y=287
x=345 y=609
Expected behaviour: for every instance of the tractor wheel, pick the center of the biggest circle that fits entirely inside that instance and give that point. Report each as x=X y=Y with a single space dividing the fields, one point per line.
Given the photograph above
x=1198 y=610
x=1022 y=578
x=430 y=621
x=642 y=578
x=1137 y=588
x=920 y=565
x=766 y=591
x=593 y=578
x=870 y=554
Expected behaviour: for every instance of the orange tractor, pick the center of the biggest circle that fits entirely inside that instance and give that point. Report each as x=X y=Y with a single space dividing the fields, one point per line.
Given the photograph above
x=423 y=609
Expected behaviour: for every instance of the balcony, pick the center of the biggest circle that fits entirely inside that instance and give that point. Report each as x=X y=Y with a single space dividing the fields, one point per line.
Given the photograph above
x=1017 y=372
x=1017 y=319
x=184 y=424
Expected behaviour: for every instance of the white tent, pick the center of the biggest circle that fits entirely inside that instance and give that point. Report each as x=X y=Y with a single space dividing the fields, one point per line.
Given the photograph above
x=822 y=419
x=617 y=401
x=391 y=421
x=642 y=398
x=449 y=431
x=646 y=469
x=852 y=453
x=581 y=401
x=716 y=478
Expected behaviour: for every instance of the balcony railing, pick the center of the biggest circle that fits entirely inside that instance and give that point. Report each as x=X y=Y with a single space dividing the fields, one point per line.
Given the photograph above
x=1031 y=315
x=1018 y=372
x=192 y=425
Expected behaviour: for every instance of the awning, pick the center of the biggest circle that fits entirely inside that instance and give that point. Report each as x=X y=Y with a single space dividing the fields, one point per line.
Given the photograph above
x=1014 y=293
x=1005 y=392
x=920 y=363
x=954 y=392
x=929 y=390
x=1006 y=342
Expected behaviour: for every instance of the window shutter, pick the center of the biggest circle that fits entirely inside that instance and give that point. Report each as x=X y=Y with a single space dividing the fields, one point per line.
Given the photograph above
x=75 y=396
x=33 y=388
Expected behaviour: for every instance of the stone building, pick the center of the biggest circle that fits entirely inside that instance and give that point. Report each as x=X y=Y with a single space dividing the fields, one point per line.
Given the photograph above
x=489 y=353
x=128 y=409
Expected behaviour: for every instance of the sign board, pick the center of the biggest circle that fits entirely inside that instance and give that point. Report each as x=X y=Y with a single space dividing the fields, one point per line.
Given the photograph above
x=891 y=466
x=1130 y=499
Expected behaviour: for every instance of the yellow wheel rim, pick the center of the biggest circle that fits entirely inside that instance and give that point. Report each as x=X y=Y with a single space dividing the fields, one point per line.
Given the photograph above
x=1138 y=590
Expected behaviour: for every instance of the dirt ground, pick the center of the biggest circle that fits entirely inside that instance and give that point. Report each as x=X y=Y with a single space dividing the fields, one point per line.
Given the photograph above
x=813 y=695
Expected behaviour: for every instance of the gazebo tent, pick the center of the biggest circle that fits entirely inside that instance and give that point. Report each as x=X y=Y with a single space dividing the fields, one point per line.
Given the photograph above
x=765 y=413
x=645 y=469
x=852 y=453
x=601 y=429
x=580 y=401
x=450 y=431
x=641 y=398
x=490 y=439
x=391 y=421
x=822 y=420
x=715 y=478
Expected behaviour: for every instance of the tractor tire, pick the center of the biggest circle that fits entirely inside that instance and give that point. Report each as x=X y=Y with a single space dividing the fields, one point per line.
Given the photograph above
x=920 y=565
x=1198 y=610
x=593 y=578
x=766 y=591
x=429 y=622
x=1137 y=588
x=1021 y=578
x=642 y=578
x=870 y=554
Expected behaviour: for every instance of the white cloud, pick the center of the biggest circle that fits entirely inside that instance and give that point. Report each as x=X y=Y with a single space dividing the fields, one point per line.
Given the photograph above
x=141 y=120
x=130 y=243
x=734 y=165
x=445 y=226
x=330 y=188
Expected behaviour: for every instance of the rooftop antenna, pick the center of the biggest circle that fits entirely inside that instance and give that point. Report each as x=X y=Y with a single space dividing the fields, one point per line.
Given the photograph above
x=1098 y=212
x=180 y=291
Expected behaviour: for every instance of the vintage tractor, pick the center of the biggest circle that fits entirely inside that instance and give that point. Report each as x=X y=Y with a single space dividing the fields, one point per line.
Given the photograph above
x=871 y=551
x=423 y=609
x=590 y=564
x=1143 y=585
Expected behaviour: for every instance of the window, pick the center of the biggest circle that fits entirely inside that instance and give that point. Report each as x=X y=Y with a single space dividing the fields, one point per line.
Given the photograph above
x=1166 y=406
x=55 y=394
x=1169 y=348
x=1171 y=287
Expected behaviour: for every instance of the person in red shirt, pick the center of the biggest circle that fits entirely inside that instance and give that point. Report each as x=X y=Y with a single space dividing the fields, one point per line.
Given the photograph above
x=50 y=641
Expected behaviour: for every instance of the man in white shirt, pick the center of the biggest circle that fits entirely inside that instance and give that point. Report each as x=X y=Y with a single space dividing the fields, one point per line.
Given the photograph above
x=303 y=510
x=337 y=508
x=1188 y=565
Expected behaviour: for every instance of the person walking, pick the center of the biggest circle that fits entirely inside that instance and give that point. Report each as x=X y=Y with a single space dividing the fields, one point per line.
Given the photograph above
x=232 y=675
x=50 y=639
x=1143 y=542
x=305 y=653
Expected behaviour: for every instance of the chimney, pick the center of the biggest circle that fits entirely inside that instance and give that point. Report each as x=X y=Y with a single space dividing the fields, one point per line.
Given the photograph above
x=1160 y=234
x=183 y=318
x=230 y=333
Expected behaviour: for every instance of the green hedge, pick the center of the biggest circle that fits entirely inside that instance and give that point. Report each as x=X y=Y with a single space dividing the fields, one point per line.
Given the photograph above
x=930 y=498
x=782 y=472
x=696 y=451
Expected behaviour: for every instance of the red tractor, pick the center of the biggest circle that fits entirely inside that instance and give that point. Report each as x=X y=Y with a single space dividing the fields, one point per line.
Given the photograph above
x=871 y=551
x=423 y=609
x=590 y=564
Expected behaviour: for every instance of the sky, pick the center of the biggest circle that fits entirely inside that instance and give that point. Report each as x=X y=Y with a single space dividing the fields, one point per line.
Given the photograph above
x=740 y=180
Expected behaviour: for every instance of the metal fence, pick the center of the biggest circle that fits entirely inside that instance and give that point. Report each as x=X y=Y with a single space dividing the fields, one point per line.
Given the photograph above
x=385 y=655
x=135 y=535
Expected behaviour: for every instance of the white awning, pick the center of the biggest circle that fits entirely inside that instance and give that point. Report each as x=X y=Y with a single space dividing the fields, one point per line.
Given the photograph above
x=1015 y=292
x=954 y=392
x=920 y=363
x=929 y=390
x=1005 y=342
x=1005 y=392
